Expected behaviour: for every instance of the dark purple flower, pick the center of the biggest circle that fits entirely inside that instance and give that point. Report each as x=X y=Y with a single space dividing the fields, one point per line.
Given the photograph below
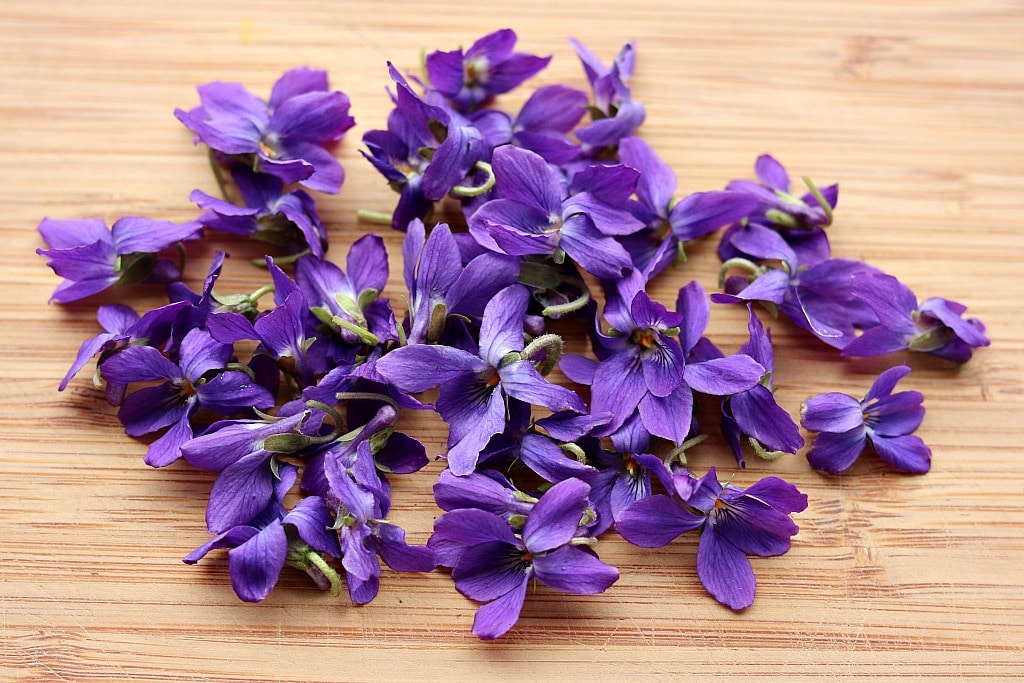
x=936 y=326
x=488 y=68
x=260 y=549
x=754 y=413
x=474 y=387
x=288 y=220
x=615 y=115
x=885 y=419
x=198 y=380
x=364 y=532
x=495 y=565
x=286 y=136
x=532 y=214
x=795 y=221
x=425 y=152
x=439 y=286
x=670 y=224
x=733 y=523
x=90 y=257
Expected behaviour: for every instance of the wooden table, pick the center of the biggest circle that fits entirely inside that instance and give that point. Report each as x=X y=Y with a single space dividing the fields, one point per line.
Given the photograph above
x=916 y=108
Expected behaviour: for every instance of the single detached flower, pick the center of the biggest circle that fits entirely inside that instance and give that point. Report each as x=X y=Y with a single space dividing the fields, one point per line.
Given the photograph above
x=90 y=257
x=885 y=419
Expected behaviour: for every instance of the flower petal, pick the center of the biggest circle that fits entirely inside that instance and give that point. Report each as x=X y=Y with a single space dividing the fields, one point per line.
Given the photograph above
x=835 y=452
x=489 y=570
x=256 y=564
x=907 y=453
x=556 y=516
x=522 y=381
x=502 y=329
x=725 y=571
x=669 y=417
x=656 y=521
x=525 y=177
x=494 y=619
x=831 y=412
x=723 y=376
x=570 y=569
x=419 y=367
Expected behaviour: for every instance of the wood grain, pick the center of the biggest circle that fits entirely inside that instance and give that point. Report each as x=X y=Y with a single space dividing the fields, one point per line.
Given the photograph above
x=914 y=107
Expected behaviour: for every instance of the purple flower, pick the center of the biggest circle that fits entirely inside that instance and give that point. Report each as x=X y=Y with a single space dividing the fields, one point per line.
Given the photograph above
x=474 y=388
x=260 y=549
x=495 y=565
x=285 y=136
x=885 y=419
x=670 y=224
x=531 y=214
x=797 y=222
x=286 y=219
x=90 y=257
x=424 y=154
x=733 y=523
x=488 y=68
x=440 y=287
x=542 y=125
x=936 y=326
x=615 y=113
x=754 y=413
x=198 y=380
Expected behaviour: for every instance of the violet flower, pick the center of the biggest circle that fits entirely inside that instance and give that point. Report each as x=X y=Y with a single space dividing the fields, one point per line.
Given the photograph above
x=542 y=125
x=260 y=549
x=615 y=115
x=885 y=419
x=91 y=258
x=936 y=326
x=425 y=153
x=531 y=214
x=799 y=221
x=733 y=524
x=286 y=136
x=754 y=413
x=288 y=220
x=670 y=224
x=489 y=67
x=495 y=565
x=474 y=388
x=199 y=380
x=438 y=284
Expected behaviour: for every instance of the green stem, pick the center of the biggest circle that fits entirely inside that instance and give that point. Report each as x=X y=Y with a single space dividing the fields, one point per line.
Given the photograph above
x=826 y=207
x=552 y=343
x=327 y=570
x=561 y=309
x=370 y=216
x=477 y=190
x=737 y=262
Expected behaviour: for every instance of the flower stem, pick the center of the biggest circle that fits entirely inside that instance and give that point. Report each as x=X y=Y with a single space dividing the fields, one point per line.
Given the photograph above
x=477 y=190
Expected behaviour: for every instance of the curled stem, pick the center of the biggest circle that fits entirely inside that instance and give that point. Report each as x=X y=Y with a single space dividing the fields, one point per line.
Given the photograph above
x=551 y=343
x=737 y=262
x=477 y=190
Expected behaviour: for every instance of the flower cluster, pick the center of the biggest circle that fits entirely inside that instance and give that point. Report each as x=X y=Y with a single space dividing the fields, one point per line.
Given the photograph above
x=302 y=397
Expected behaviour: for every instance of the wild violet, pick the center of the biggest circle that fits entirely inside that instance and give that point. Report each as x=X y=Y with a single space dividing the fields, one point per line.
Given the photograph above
x=559 y=189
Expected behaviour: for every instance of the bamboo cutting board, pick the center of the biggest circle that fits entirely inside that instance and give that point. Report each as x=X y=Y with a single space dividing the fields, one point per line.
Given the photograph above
x=916 y=108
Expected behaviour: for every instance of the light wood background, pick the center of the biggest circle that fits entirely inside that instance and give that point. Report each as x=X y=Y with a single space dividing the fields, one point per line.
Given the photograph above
x=915 y=106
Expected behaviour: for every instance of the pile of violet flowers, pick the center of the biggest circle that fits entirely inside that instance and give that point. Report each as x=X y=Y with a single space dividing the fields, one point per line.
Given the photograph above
x=555 y=196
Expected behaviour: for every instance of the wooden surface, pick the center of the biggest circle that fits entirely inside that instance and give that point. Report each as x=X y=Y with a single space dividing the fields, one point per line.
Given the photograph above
x=916 y=107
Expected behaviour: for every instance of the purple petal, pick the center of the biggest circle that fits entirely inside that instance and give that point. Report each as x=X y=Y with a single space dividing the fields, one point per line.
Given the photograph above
x=669 y=417
x=138 y=364
x=232 y=538
x=763 y=243
x=723 y=376
x=88 y=349
x=256 y=564
x=547 y=459
x=771 y=173
x=463 y=528
x=312 y=520
x=888 y=298
x=444 y=71
x=149 y=409
x=886 y=382
x=240 y=492
x=573 y=570
x=753 y=527
x=618 y=387
x=700 y=213
x=556 y=516
x=502 y=329
x=473 y=418
x=656 y=521
x=779 y=494
x=489 y=570
x=399 y=555
x=831 y=412
x=760 y=416
x=297 y=82
x=138 y=234
x=68 y=234
x=452 y=161
x=771 y=287
x=367 y=264
x=522 y=381
x=944 y=310
x=316 y=117
x=552 y=107
x=167 y=448
x=725 y=571
x=834 y=452
x=509 y=73
x=607 y=220
x=200 y=353
x=657 y=181
x=525 y=177
x=579 y=369
x=494 y=619
x=877 y=341
x=895 y=415
x=419 y=367
x=906 y=453
x=595 y=252
x=480 y=280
